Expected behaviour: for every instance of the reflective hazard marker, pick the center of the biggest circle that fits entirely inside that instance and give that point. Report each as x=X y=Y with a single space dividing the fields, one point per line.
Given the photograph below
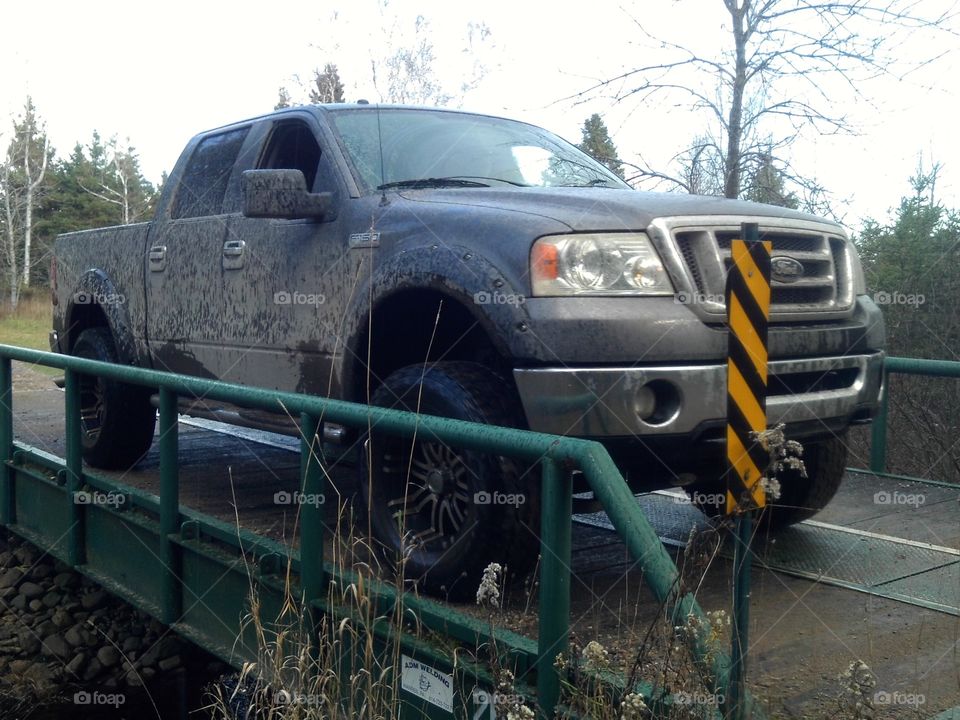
x=748 y=311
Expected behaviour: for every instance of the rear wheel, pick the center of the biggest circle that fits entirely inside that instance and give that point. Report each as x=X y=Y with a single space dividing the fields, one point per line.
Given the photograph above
x=116 y=419
x=800 y=497
x=440 y=514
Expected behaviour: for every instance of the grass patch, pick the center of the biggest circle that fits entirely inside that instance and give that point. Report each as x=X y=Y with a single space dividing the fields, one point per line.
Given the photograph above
x=29 y=325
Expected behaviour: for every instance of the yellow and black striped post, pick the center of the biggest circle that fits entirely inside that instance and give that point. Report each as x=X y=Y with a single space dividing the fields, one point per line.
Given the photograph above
x=748 y=312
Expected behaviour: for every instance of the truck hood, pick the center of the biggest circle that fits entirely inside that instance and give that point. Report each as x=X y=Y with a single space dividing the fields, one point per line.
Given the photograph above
x=592 y=209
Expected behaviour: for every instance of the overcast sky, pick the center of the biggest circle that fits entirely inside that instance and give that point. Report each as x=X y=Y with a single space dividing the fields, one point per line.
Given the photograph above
x=161 y=72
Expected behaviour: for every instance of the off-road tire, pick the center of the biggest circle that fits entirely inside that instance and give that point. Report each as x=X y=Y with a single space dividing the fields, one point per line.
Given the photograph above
x=117 y=420
x=448 y=484
x=800 y=497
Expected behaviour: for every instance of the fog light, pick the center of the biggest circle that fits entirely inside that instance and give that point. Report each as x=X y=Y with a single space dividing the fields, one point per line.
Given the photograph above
x=645 y=402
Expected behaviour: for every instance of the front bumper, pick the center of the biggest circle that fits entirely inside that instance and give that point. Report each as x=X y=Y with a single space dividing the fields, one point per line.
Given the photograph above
x=604 y=402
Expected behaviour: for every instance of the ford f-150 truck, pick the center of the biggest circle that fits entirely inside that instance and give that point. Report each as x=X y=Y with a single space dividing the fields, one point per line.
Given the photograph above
x=472 y=267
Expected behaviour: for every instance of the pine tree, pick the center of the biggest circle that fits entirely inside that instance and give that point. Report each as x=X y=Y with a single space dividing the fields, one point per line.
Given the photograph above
x=598 y=145
x=765 y=183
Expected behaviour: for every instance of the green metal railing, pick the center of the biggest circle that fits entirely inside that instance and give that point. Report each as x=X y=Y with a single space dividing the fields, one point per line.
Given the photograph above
x=178 y=527
x=901 y=366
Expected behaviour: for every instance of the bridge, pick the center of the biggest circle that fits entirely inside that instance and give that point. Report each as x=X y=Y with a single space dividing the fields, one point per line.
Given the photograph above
x=210 y=520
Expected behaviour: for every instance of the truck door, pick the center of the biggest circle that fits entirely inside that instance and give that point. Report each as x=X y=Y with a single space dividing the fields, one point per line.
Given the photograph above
x=186 y=316
x=289 y=280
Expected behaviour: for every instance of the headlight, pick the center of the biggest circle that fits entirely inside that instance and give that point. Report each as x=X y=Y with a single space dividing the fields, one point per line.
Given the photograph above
x=856 y=270
x=597 y=264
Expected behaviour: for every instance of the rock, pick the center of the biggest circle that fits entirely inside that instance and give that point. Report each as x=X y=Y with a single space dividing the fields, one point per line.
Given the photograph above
x=61 y=618
x=57 y=647
x=11 y=577
x=5 y=558
x=74 y=636
x=108 y=656
x=65 y=580
x=133 y=679
x=31 y=590
x=78 y=616
x=35 y=605
x=41 y=571
x=18 y=667
x=93 y=669
x=29 y=642
x=8 y=592
x=168 y=645
x=75 y=666
x=46 y=628
x=131 y=643
x=40 y=673
x=19 y=602
x=26 y=555
x=92 y=600
x=148 y=673
x=150 y=657
x=169 y=663
x=51 y=599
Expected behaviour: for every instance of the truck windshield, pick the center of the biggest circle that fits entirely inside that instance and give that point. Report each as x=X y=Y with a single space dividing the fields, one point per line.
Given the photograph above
x=427 y=148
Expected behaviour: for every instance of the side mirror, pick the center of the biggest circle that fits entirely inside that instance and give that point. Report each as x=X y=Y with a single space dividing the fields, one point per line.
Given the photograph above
x=281 y=194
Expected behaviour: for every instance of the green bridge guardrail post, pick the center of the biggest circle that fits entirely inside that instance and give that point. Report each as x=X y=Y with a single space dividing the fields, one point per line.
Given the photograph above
x=6 y=441
x=74 y=463
x=172 y=598
x=556 y=517
x=311 y=504
x=878 y=433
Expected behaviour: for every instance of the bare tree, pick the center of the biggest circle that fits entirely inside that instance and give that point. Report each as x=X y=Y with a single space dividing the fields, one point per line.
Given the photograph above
x=774 y=78
x=327 y=85
x=23 y=185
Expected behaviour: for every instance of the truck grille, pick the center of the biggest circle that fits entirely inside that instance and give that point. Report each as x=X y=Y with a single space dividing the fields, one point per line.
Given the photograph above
x=820 y=284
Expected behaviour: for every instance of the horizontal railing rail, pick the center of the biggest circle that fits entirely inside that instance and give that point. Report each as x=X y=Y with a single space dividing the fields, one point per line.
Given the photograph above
x=558 y=456
x=901 y=366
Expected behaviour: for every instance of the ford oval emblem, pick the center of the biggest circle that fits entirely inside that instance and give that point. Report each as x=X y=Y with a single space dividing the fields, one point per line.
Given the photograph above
x=785 y=269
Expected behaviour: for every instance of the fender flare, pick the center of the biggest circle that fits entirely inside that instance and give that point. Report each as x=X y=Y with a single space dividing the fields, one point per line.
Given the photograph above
x=455 y=271
x=96 y=289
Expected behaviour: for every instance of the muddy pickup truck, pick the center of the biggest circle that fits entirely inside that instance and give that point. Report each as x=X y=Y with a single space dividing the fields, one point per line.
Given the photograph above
x=472 y=267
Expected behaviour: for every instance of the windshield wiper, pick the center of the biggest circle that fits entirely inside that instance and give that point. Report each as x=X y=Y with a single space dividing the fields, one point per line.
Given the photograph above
x=596 y=182
x=431 y=183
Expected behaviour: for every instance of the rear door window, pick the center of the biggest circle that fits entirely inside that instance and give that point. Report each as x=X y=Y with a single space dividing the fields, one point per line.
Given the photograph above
x=204 y=181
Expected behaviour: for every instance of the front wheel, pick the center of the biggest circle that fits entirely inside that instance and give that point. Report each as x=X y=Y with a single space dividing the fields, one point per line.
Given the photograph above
x=440 y=514
x=116 y=420
x=800 y=497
